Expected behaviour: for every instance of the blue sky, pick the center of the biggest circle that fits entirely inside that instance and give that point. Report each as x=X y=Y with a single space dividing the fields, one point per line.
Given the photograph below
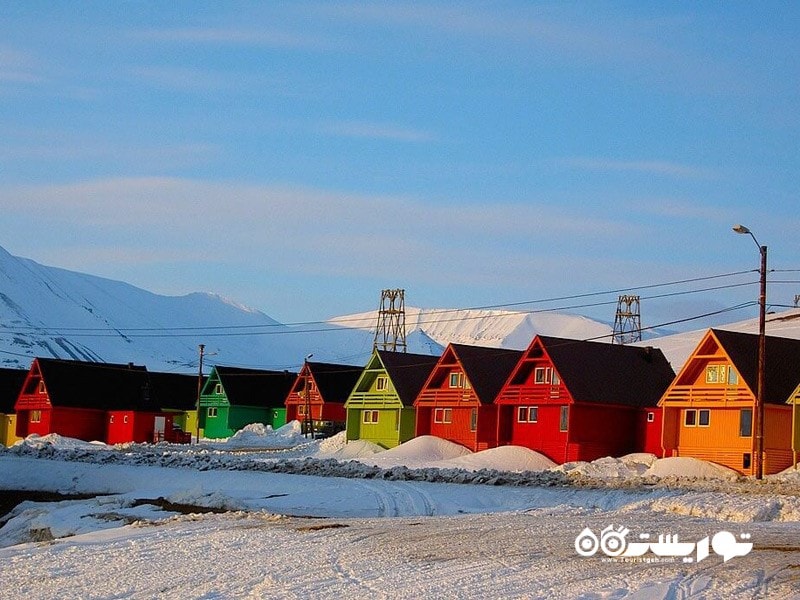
x=299 y=157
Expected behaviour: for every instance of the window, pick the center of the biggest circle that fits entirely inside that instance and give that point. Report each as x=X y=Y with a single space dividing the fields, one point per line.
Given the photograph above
x=473 y=420
x=522 y=414
x=369 y=416
x=211 y=411
x=651 y=416
x=111 y=419
x=456 y=380
x=690 y=417
x=541 y=375
x=533 y=414
x=36 y=416
x=721 y=374
x=712 y=373
x=382 y=383
x=555 y=379
x=703 y=417
x=42 y=389
x=746 y=460
x=563 y=422
x=301 y=409
x=527 y=414
x=733 y=377
x=125 y=419
x=218 y=389
x=443 y=415
x=746 y=422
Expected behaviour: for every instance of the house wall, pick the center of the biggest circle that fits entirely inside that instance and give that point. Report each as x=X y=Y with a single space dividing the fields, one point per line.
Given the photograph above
x=542 y=436
x=720 y=442
x=648 y=433
x=597 y=430
x=119 y=427
x=458 y=430
x=216 y=427
x=87 y=424
x=240 y=416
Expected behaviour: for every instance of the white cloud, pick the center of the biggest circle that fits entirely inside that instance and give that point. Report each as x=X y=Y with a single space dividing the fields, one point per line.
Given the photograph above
x=384 y=131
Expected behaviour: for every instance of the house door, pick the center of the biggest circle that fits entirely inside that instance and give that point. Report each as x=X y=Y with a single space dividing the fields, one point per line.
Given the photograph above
x=159 y=424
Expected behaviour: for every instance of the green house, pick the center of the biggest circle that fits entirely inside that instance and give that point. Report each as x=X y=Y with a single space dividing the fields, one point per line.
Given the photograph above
x=380 y=407
x=232 y=398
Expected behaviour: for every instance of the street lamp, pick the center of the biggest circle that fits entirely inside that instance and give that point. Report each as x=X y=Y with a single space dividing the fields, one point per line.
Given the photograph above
x=762 y=347
x=308 y=421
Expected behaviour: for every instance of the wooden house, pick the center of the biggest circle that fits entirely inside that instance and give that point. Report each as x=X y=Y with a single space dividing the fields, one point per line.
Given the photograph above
x=176 y=394
x=457 y=401
x=794 y=403
x=88 y=401
x=578 y=400
x=11 y=381
x=321 y=390
x=234 y=397
x=708 y=410
x=381 y=406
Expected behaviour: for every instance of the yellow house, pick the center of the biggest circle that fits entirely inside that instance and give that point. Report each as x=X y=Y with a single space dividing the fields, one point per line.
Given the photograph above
x=794 y=401
x=709 y=409
x=11 y=381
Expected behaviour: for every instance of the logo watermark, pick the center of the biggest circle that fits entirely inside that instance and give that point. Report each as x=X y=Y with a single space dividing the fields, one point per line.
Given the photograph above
x=668 y=548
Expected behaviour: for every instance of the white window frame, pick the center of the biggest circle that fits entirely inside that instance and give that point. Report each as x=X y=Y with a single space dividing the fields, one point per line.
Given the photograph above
x=651 y=416
x=36 y=416
x=211 y=412
x=369 y=417
x=41 y=388
x=381 y=383
x=443 y=415
x=542 y=375
x=218 y=389
x=456 y=379
x=563 y=419
x=693 y=413
x=700 y=413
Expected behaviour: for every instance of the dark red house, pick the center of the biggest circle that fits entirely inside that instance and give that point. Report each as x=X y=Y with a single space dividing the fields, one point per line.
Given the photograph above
x=106 y=402
x=457 y=401
x=577 y=400
x=321 y=389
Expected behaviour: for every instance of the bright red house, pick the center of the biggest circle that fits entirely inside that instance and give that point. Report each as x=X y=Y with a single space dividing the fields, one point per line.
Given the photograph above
x=577 y=400
x=320 y=391
x=457 y=401
x=107 y=402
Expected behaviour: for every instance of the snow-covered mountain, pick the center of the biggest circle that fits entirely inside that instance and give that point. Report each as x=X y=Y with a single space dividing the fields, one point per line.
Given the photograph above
x=47 y=311
x=52 y=312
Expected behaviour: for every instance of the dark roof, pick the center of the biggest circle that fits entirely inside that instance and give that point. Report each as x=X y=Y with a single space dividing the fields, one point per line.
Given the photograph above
x=781 y=363
x=408 y=372
x=105 y=386
x=174 y=390
x=334 y=382
x=11 y=381
x=255 y=387
x=486 y=368
x=610 y=373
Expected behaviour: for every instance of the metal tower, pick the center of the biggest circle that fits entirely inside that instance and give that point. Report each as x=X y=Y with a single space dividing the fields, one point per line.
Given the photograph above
x=797 y=300
x=390 y=332
x=627 y=323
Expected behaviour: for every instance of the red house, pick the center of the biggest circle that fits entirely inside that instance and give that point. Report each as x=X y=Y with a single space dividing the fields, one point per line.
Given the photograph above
x=107 y=402
x=320 y=391
x=577 y=400
x=456 y=402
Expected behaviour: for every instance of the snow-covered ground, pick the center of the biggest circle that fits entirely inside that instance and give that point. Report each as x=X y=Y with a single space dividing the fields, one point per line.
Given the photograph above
x=427 y=518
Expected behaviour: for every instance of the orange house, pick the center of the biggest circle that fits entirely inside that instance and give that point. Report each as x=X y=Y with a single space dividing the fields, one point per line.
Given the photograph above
x=457 y=401
x=708 y=410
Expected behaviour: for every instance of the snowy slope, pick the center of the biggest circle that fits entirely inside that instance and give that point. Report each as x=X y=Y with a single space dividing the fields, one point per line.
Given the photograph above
x=492 y=328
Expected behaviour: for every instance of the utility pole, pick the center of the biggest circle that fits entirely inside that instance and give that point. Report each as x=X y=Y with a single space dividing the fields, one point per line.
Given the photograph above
x=758 y=416
x=202 y=348
x=308 y=421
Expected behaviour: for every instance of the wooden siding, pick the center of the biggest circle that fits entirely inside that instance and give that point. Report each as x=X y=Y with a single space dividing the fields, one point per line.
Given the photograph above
x=79 y=423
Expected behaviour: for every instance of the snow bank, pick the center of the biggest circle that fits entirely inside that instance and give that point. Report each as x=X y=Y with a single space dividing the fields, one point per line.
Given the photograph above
x=258 y=435
x=422 y=451
x=687 y=467
x=55 y=441
x=737 y=508
x=353 y=450
x=514 y=459
x=632 y=465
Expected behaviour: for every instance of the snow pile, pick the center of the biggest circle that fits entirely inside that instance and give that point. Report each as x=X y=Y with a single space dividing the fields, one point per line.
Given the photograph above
x=632 y=465
x=353 y=450
x=55 y=441
x=332 y=444
x=512 y=459
x=687 y=467
x=258 y=435
x=790 y=475
x=422 y=451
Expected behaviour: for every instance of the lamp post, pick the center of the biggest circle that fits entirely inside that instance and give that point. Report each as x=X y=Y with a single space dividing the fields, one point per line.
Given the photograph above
x=308 y=421
x=758 y=425
x=202 y=350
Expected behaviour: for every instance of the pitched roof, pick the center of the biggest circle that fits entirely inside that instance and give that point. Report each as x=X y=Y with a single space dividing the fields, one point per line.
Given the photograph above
x=255 y=387
x=11 y=381
x=781 y=362
x=105 y=386
x=486 y=368
x=408 y=372
x=599 y=372
x=335 y=382
x=174 y=390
